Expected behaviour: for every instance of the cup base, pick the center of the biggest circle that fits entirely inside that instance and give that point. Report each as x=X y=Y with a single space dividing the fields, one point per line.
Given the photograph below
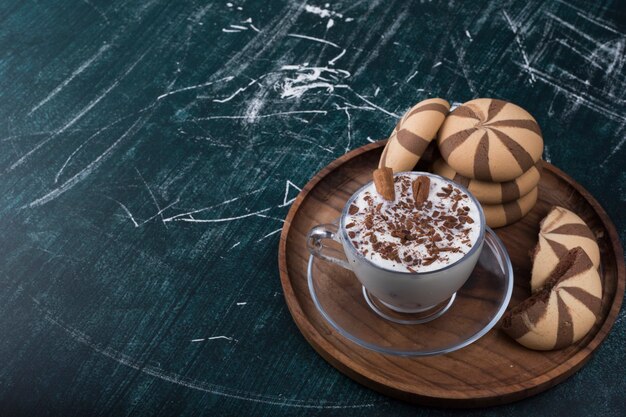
x=407 y=317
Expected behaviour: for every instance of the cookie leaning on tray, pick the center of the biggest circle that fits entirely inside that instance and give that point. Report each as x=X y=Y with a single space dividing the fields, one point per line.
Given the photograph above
x=491 y=146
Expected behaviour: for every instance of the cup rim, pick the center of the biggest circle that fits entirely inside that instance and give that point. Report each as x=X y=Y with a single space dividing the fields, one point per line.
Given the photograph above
x=360 y=256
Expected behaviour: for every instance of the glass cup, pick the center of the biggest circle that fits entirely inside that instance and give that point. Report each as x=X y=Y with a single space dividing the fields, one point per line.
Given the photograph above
x=404 y=292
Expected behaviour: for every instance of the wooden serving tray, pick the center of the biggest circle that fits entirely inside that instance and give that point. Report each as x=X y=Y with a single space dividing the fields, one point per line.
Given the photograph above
x=494 y=369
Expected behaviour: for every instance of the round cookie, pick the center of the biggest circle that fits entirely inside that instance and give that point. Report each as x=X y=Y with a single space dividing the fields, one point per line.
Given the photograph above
x=492 y=192
x=498 y=215
x=560 y=231
x=415 y=130
x=563 y=311
x=490 y=140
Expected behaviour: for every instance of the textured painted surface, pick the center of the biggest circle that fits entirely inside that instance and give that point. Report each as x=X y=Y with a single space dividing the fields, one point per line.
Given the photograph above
x=149 y=150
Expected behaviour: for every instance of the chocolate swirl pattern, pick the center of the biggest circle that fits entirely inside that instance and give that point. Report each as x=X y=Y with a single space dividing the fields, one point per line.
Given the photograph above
x=499 y=215
x=563 y=311
x=561 y=230
x=413 y=133
x=490 y=140
x=492 y=192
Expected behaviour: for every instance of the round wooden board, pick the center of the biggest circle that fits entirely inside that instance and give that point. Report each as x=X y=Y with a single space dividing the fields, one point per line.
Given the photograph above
x=493 y=370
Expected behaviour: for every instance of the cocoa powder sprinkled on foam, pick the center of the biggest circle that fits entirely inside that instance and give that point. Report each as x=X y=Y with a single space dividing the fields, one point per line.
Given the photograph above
x=404 y=236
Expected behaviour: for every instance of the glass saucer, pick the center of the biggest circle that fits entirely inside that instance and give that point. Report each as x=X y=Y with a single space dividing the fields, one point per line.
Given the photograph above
x=456 y=323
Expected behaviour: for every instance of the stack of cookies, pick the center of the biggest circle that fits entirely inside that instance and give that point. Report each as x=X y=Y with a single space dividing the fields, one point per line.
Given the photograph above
x=493 y=148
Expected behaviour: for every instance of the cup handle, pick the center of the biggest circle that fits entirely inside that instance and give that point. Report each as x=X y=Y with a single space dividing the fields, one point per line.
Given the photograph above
x=315 y=243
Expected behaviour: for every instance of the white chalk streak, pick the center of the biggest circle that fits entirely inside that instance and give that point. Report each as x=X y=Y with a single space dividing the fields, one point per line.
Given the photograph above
x=412 y=76
x=220 y=220
x=323 y=13
x=73 y=75
x=347 y=148
x=82 y=174
x=375 y=106
x=311 y=38
x=79 y=115
x=579 y=53
x=271 y=217
x=130 y=215
x=221 y=337
x=587 y=100
x=270 y=234
x=614 y=151
x=262 y=116
x=288 y=185
x=189 y=213
x=576 y=30
x=230 y=31
x=156 y=203
x=69 y=158
x=243 y=303
x=332 y=61
x=193 y=87
x=517 y=37
x=436 y=64
x=239 y=90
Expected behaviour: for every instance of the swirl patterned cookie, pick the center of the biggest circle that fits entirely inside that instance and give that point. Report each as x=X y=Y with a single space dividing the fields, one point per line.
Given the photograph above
x=560 y=231
x=563 y=311
x=490 y=140
x=413 y=133
x=499 y=215
x=492 y=192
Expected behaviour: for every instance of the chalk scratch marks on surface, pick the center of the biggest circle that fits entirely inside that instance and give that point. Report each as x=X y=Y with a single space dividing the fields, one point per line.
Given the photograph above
x=520 y=45
x=347 y=148
x=194 y=87
x=130 y=215
x=374 y=105
x=218 y=220
x=239 y=90
x=82 y=67
x=314 y=39
x=157 y=372
x=262 y=116
x=616 y=149
x=580 y=96
x=269 y=234
x=578 y=52
x=309 y=78
x=156 y=203
x=465 y=69
x=84 y=173
x=190 y=213
x=78 y=115
x=97 y=10
x=324 y=41
x=214 y=338
x=286 y=199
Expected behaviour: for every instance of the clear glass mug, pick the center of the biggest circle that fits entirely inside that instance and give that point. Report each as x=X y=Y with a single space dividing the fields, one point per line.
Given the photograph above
x=405 y=292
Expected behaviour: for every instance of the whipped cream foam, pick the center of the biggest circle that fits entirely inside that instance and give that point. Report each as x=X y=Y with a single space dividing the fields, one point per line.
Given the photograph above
x=400 y=236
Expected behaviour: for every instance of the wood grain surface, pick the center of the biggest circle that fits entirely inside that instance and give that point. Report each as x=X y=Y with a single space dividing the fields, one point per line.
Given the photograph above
x=493 y=370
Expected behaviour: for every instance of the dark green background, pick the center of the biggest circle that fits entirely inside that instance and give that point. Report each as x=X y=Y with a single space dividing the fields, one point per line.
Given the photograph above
x=110 y=136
